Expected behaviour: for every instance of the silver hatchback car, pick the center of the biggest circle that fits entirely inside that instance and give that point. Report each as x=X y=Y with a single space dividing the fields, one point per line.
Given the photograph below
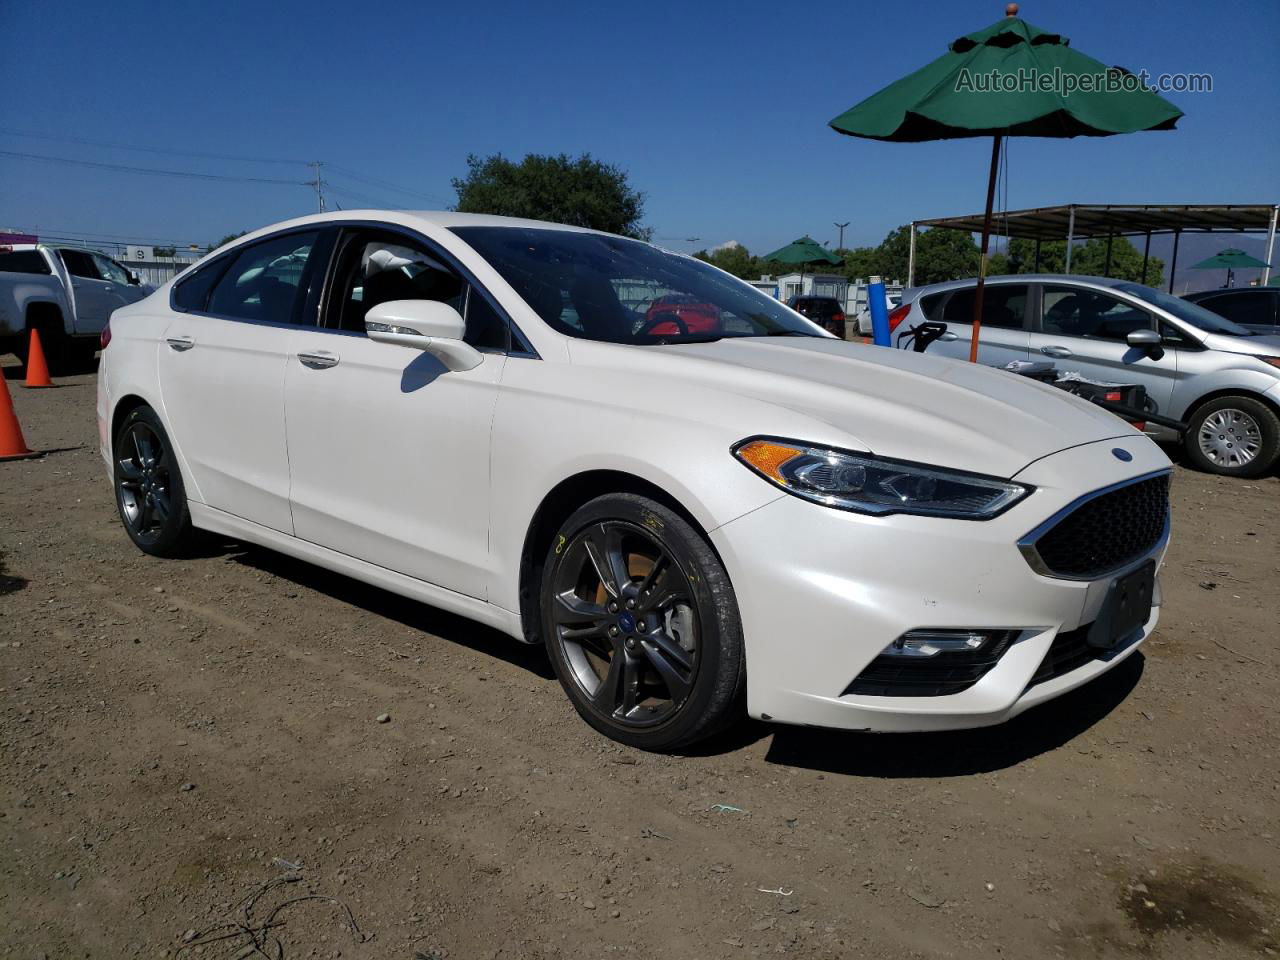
x=1221 y=379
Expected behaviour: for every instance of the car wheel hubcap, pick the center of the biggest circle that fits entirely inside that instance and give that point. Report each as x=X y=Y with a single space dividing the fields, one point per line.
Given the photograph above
x=1230 y=438
x=142 y=481
x=626 y=623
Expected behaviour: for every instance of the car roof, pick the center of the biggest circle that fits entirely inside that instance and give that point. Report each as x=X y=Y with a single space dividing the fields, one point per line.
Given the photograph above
x=1074 y=278
x=1203 y=294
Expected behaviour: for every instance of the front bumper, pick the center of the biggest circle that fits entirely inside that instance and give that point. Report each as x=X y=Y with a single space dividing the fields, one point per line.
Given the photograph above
x=823 y=591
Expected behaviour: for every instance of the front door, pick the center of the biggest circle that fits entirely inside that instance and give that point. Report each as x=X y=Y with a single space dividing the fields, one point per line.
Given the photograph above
x=388 y=449
x=1084 y=331
x=91 y=293
x=222 y=367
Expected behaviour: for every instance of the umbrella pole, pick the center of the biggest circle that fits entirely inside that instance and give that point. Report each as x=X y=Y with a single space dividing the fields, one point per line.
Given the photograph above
x=986 y=240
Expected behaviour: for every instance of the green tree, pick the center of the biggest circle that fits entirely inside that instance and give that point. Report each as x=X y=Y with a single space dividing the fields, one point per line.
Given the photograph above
x=1088 y=259
x=227 y=239
x=581 y=191
x=940 y=255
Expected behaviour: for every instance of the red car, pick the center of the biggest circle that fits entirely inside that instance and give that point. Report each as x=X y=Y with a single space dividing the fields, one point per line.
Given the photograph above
x=694 y=316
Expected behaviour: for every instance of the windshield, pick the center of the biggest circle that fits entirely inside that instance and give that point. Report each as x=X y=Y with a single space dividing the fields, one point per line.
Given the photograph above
x=601 y=287
x=1186 y=311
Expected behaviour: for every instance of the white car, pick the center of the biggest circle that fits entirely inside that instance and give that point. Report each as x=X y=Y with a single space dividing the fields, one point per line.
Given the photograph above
x=483 y=414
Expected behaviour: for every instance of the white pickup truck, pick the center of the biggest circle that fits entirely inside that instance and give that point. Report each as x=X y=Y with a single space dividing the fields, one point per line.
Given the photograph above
x=65 y=293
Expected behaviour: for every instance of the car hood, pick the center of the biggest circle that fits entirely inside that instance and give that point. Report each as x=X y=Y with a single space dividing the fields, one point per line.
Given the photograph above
x=893 y=403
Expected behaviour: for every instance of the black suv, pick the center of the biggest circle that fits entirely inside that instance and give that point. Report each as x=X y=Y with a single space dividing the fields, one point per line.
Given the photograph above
x=826 y=312
x=1256 y=308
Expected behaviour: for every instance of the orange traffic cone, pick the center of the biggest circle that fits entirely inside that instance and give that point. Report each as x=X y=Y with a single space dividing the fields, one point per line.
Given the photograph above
x=37 y=369
x=12 y=446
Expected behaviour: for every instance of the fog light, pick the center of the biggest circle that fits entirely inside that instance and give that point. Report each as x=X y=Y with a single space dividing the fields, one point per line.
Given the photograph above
x=930 y=643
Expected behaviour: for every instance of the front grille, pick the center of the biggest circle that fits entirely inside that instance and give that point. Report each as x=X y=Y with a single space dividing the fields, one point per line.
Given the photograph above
x=1106 y=532
x=938 y=676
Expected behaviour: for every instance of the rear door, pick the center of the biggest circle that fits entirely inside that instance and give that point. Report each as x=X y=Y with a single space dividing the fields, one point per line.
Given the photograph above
x=1003 y=335
x=90 y=291
x=222 y=371
x=120 y=292
x=1083 y=330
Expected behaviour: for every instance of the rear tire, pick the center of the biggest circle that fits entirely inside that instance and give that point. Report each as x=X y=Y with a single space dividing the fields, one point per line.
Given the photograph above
x=1234 y=437
x=150 y=495
x=642 y=625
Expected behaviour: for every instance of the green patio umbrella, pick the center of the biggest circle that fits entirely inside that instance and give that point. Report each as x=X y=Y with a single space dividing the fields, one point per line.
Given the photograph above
x=1009 y=80
x=1230 y=260
x=804 y=251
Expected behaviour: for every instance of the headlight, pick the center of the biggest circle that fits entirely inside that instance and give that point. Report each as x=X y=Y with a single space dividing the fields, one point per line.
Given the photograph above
x=867 y=484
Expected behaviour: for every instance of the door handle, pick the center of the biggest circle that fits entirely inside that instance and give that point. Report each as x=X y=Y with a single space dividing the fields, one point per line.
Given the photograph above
x=180 y=343
x=320 y=360
x=947 y=337
x=1055 y=351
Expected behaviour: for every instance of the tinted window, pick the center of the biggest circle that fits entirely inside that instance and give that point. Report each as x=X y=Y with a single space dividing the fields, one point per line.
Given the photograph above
x=375 y=268
x=1184 y=310
x=24 y=261
x=79 y=264
x=192 y=293
x=1242 y=307
x=609 y=288
x=1077 y=312
x=262 y=282
x=931 y=306
x=1004 y=306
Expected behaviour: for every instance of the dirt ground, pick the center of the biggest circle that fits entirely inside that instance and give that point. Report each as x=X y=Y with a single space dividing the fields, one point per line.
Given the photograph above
x=178 y=734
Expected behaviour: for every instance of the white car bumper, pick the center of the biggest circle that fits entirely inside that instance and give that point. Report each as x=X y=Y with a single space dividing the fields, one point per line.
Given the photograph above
x=822 y=592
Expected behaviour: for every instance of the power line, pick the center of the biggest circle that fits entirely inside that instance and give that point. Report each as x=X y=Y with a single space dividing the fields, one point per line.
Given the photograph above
x=386 y=185
x=151 y=170
x=129 y=146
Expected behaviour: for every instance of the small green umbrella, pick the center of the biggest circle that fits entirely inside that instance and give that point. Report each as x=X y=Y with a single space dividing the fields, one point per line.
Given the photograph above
x=1009 y=80
x=804 y=251
x=1230 y=260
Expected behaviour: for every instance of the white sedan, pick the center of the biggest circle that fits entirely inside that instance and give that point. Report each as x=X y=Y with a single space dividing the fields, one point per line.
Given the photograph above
x=694 y=513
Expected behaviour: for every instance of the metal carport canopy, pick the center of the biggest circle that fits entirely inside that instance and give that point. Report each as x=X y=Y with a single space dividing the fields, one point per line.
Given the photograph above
x=1082 y=221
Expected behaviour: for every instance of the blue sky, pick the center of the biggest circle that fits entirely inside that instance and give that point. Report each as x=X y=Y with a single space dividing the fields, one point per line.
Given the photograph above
x=717 y=110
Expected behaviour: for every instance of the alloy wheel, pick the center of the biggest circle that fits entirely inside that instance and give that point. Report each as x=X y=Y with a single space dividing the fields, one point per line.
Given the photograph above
x=143 y=479
x=626 y=623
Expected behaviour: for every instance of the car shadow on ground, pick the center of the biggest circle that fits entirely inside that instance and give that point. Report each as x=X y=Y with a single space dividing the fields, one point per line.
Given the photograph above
x=962 y=752
x=411 y=613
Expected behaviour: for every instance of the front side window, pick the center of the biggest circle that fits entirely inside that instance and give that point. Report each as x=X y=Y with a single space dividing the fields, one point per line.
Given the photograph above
x=601 y=287
x=374 y=268
x=1185 y=310
x=1078 y=312
x=110 y=270
x=263 y=281
x=1004 y=306
x=79 y=264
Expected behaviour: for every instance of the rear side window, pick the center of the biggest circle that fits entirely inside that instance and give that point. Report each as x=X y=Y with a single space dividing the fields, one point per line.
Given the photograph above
x=79 y=264
x=931 y=306
x=263 y=280
x=192 y=293
x=1004 y=306
x=24 y=261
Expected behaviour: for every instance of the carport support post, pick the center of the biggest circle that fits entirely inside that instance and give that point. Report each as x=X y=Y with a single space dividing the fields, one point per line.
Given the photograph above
x=1271 y=246
x=1106 y=271
x=1146 y=255
x=1036 y=268
x=911 y=253
x=1173 y=263
x=1071 y=235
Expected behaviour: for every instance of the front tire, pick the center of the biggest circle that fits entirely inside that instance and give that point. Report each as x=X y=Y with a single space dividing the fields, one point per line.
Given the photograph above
x=150 y=496
x=642 y=625
x=1234 y=437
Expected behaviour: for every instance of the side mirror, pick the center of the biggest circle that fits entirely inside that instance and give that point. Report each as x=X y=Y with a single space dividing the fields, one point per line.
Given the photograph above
x=1146 y=340
x=427 y=325
x=134 y=279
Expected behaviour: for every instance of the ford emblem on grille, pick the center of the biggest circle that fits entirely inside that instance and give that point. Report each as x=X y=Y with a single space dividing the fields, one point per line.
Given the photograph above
x=1120 y=454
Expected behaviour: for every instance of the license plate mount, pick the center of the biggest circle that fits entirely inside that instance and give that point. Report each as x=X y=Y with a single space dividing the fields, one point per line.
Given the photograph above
x=1126 y=608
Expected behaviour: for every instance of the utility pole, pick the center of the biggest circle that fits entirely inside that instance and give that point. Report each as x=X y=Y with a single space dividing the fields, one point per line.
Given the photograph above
x=318 y=184
x=840 y=226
